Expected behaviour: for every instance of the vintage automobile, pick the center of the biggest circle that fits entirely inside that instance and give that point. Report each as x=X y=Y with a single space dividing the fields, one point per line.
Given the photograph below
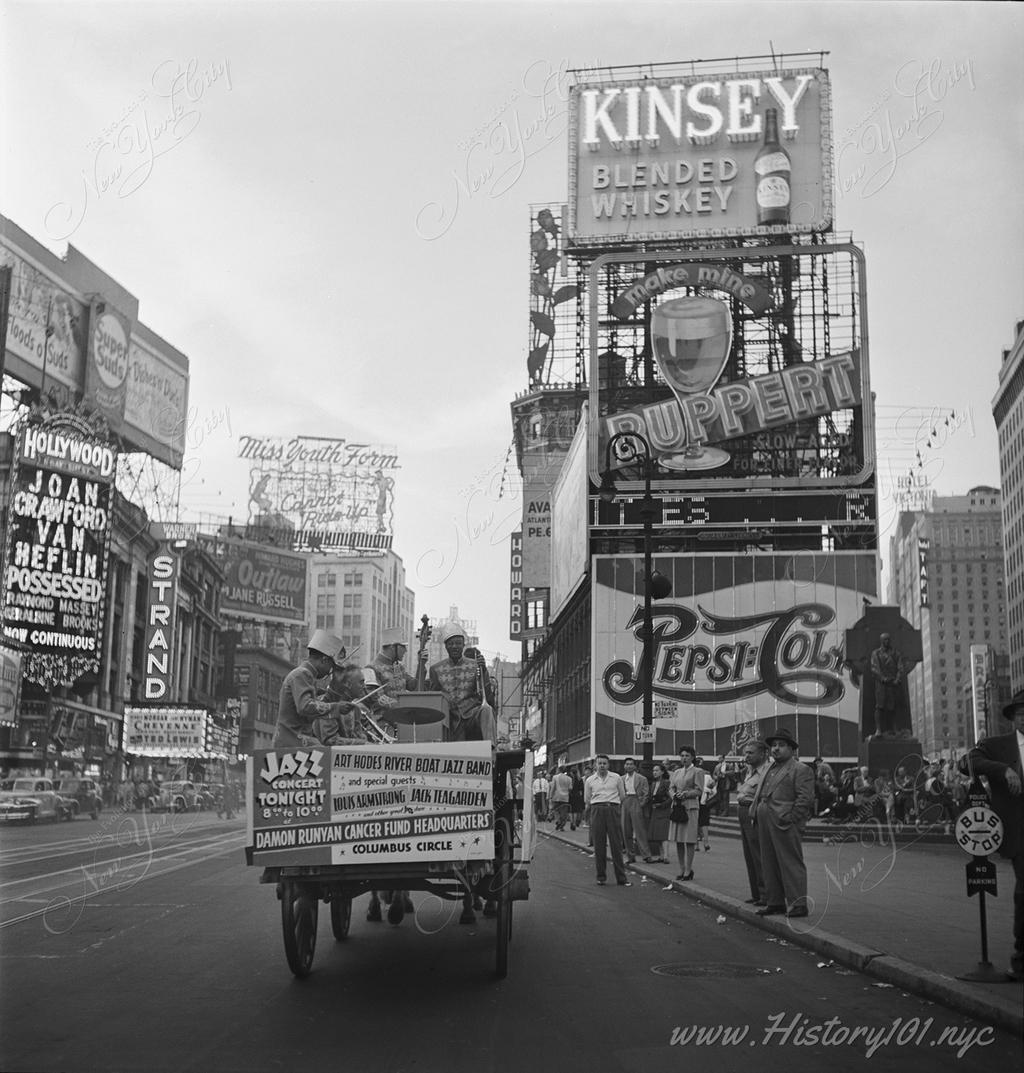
x=84 y=792
x=33 y=798
x=176 y=795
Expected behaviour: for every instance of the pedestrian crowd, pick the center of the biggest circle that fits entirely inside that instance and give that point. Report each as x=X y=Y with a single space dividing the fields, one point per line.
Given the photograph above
x=630 y=815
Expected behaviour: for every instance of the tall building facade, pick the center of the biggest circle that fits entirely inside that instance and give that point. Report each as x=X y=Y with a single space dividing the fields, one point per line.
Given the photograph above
x=947 y=577
x=358 y=597
x=1008 y=411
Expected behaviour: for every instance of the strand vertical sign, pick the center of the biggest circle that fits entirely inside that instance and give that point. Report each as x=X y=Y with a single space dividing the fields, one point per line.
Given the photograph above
x=161 y=624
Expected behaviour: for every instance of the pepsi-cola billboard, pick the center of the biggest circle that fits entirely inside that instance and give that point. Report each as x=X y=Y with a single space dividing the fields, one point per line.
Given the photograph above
x=745 y=643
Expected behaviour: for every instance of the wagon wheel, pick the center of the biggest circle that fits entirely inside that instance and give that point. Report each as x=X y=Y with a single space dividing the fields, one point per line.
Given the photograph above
x=341 y=916
x=299 y=914
x=503 y=880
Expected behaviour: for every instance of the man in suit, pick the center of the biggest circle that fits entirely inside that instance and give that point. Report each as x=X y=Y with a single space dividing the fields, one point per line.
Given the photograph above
x=1001 y=760
x=638 y=789
x=783 y=801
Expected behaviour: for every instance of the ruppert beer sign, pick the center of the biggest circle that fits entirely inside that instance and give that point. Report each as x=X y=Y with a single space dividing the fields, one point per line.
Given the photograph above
x=55 y=570
x=711 y=154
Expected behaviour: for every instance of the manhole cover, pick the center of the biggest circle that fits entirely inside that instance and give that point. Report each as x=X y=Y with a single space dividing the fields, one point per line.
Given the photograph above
x=718 y=971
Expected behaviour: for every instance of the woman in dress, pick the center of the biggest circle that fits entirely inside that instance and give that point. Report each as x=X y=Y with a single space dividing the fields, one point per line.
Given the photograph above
x=659 y=804
x=686 y=784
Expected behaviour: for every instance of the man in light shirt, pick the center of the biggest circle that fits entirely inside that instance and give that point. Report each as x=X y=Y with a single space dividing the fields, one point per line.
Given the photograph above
x=604 y=794
x=1001 y=760
x=540 y=797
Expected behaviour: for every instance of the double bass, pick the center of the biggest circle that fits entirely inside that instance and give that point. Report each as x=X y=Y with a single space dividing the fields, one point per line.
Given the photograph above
x=424 y=706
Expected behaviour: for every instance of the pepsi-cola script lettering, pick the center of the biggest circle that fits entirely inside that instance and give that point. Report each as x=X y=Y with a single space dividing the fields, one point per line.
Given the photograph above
x=786 y=657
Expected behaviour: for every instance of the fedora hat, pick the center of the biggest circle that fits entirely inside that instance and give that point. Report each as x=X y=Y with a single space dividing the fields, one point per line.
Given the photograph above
x=1016 y=705
x=326 y=644
x=782 y=734
x=393 y=635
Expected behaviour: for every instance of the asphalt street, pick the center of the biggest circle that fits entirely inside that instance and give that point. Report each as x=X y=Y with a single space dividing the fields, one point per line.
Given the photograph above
x=138 y=943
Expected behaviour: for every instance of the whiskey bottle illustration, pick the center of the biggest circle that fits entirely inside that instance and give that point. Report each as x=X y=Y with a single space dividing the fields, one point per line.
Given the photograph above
x=772 y=168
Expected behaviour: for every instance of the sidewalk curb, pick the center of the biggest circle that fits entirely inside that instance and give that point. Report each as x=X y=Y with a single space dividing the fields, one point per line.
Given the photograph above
x=885 y=967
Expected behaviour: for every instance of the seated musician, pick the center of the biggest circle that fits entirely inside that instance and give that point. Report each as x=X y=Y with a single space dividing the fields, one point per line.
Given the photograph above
x=460 y=679
x=342 y=724
x=388 y=672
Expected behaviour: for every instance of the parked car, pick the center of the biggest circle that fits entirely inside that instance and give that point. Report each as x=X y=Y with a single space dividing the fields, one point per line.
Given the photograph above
x=33 y=798
x=206 y=798
x=83 y=791
x=176 y=796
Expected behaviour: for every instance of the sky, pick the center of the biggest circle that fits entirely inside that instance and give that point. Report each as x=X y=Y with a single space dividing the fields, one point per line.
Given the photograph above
x=336 y=242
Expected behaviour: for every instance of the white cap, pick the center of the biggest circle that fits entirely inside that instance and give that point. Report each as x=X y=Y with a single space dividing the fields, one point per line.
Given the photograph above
x=326 y=644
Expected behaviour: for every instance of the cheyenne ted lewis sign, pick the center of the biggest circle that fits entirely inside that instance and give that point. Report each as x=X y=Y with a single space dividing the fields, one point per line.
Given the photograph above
x=710 y=154
x=744 y=643
x=55 y=570
x=367 y=805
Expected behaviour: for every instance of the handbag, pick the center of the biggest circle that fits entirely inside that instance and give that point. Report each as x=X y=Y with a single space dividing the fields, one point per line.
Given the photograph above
x=679 y=813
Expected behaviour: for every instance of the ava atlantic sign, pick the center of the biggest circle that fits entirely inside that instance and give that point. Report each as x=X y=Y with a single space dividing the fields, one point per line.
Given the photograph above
x=712 y=154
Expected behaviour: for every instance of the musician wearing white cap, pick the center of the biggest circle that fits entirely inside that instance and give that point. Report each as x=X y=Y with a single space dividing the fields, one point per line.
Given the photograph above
x=466 y=685
x=298 y=706
x=388 y=671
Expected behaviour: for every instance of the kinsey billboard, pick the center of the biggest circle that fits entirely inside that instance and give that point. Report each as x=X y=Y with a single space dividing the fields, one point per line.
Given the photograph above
x=426 y=802
x=732 y=380
x=58 y=534
x=262 y=583
x=715 y=154
x=744 y=643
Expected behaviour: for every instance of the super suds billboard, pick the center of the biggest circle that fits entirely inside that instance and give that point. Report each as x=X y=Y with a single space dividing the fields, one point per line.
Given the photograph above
x=745 y=643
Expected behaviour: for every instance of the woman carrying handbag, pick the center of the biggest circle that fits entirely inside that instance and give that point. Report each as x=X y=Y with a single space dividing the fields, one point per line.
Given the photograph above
x=685 y=785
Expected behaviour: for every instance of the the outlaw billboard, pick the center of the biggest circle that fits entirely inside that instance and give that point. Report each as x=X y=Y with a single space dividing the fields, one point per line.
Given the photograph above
x=744 y=644
x=262 y=583
x=723 y=362
x=708 y=154
x=58 y=535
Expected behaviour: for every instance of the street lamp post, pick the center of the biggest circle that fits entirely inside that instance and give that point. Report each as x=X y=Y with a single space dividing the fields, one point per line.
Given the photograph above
x=656 y=585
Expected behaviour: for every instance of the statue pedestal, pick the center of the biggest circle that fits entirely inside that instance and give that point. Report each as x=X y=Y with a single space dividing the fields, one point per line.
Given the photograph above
x=888 y=754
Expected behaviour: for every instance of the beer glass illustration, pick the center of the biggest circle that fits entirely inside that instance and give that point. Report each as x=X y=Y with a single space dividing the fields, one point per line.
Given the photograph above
x=692 y=338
